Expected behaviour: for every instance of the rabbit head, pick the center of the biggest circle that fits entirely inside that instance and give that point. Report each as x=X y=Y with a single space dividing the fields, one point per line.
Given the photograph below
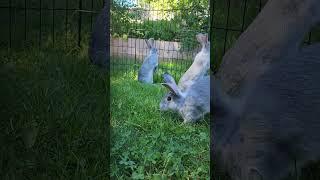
x=173 y=100
x=151 y=46
x=203 y=40
x=191 y=104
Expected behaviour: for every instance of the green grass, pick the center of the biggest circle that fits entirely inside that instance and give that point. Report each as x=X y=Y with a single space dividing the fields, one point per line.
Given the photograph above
x=149 y=144
x=130 y=66
x=53 y=117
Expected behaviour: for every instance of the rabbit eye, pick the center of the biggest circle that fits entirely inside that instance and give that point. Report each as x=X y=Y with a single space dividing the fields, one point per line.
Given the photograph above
x=169 y=98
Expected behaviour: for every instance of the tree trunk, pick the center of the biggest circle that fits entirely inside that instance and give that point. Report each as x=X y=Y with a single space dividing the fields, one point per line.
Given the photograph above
x=276 y=32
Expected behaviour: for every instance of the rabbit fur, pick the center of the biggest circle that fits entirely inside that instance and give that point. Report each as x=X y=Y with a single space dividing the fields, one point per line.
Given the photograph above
x=191 y=104
x=150 y=64
x=200 y=65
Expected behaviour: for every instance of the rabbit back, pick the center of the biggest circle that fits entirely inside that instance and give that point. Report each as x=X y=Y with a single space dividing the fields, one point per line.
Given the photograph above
x=197 y=100
x=197 y=70
x=146 y=71
x=199 y=67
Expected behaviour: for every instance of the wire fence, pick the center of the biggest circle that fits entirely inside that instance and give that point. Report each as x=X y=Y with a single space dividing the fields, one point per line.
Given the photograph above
x=68 y=23
x=42 y=23
x=174 y=31
x=230 y=18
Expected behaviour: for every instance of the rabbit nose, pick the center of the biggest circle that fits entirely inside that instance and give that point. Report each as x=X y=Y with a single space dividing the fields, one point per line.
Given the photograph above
x=161 y=107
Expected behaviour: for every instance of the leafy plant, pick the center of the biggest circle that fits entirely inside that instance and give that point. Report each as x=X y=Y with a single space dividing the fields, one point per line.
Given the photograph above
x=179 y=20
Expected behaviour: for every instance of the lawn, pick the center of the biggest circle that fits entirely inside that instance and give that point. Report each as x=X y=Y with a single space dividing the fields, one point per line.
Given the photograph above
x=54 y=111
x=130 y=66
x=147 y=143
x=54 y=108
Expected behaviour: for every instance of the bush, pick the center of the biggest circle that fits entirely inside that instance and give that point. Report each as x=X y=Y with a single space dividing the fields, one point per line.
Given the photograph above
x=178 y=22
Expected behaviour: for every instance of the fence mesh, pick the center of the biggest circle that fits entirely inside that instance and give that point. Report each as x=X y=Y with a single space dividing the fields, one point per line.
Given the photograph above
x=50 y=23
x=173 y=28
x=46 y=23
x=231 y=17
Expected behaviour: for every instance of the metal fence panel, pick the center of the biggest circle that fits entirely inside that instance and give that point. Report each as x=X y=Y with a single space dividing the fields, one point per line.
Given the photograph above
x=37 y=22
x=128 y=47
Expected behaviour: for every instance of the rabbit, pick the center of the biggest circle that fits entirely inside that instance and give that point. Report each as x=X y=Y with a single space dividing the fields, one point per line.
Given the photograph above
x=191 y=104
x=273 y=122
x=168 y=78
x=150 y=64
x=200 y=65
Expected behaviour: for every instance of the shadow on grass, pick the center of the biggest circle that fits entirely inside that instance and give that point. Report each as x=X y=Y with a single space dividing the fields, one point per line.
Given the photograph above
x=54 y=117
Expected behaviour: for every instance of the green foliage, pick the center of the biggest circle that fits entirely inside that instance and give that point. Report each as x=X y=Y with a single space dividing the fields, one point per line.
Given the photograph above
x=120 y=19
x=179 y=20
x=161 y=29
x=147 y=144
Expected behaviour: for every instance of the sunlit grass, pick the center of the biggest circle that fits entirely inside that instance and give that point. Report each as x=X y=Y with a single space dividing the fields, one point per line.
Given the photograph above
x=149 y=144
x=130 y=67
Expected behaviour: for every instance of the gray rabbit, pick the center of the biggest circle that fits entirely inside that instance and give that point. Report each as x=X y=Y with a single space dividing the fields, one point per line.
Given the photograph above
x=191 y=104
x=278 y=114
x=150 y=64
x=200 y=65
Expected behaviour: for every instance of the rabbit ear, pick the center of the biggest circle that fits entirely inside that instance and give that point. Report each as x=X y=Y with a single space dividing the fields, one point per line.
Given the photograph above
x=202 y=38
x=147 y=42
x=173 y=88
x=151 y=43
x=168 y=78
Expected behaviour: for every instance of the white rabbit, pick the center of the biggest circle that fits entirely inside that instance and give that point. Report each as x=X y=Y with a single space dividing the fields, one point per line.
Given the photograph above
x=200 y=65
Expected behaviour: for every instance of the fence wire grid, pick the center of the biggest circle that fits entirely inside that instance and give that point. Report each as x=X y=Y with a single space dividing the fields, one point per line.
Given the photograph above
x=41 y=23
x=47 y=23
x=230 y=18
x=174 y=31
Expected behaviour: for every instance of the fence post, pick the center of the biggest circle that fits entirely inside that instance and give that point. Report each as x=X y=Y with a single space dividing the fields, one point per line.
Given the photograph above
x=211 y=9
x=25 y=21
x=244 y=15
x=79 y=23
x=91 y=16
x=53 y=9
x=260 y=5
x=227 y=26
x=10 y=24
x=40 y=23
x=66 y=25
